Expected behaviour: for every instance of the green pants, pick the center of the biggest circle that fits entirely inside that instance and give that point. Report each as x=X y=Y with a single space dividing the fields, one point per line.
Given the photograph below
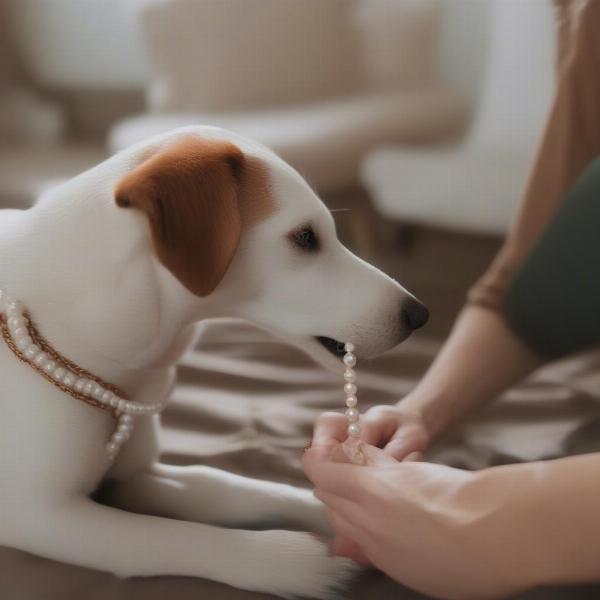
x=553 y=302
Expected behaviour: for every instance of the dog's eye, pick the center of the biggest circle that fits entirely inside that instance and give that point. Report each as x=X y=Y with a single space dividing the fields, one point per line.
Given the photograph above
x=305 y=238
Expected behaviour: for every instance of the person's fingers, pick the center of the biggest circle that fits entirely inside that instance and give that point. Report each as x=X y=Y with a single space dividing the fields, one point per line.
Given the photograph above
x=340 y=453
x=343 y=546
x=376 y=427
x=343 y=479
x=370 y=432
x=344 y=528
x=375 y=457
x=414 y=457
x=380 y=423
x=330 y=429
x=405 y=441
x=350 y=510
x=361 y=521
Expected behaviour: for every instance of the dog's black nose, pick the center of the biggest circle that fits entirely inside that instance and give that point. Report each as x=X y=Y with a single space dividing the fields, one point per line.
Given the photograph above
x=414 y=313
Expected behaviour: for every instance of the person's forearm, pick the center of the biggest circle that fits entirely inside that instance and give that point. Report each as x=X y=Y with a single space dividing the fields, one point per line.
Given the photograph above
x=539 y=521
x=480 y=359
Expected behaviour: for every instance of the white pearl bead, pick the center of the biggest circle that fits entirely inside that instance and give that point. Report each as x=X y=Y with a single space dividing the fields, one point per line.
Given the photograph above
x=97 y=392
x=41 y=359
x=16 y=322
x=350 y=375
x=350 y=389
x=349 y=347
x=23 y=343
x=32 y=351
x=50 y=366
x=106 y=397
x=118 y=438
x=353 y=430
x=349 y=359
x=68 y=379
x=14 y=306
x=14 y=309
x=20 y=332
x=121 y=405
x=126 y=419
x=80 y=384
x=111 y=447
x=88 y=387
x=351 y=401
x=124 y=427
x=59 y=374
x=114 y=401
x=352 y=414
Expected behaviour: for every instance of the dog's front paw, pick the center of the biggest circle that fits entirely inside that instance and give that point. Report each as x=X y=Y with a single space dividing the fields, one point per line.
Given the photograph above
x=308 y=513
x=293 y=564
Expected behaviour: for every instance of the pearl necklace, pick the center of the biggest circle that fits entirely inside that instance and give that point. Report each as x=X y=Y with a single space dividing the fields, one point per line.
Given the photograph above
x=30 y=347
x=352 y=445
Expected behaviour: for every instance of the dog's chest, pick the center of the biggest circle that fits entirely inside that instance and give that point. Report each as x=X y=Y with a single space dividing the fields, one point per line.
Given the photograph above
x=48 y=440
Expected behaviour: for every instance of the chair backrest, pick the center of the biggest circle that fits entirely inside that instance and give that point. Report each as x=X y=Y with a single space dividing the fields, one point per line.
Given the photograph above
x=236 y=54
x=229 y=54
x=398 y=42
x=209 y=55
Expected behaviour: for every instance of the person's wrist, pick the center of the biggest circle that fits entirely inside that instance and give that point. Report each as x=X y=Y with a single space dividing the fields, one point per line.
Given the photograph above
x=508 y=499
x=430 y=411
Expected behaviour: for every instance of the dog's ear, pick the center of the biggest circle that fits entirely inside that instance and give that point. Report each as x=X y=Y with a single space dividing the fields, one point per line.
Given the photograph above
x=190 y=193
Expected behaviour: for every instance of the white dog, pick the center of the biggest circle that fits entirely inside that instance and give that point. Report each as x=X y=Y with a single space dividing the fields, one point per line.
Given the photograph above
x=115 y=267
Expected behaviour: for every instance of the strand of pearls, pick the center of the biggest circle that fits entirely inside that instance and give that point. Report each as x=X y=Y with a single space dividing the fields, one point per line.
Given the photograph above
x=350 y=390
x=124 y=410
x=352 y=445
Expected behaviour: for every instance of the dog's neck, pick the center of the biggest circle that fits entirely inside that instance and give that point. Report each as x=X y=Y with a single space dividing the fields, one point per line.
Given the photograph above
x=86 y=273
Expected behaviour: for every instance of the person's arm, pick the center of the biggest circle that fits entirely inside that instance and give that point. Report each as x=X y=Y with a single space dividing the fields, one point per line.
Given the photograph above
x=456 y=534
x=550 y=310
x=483 y=356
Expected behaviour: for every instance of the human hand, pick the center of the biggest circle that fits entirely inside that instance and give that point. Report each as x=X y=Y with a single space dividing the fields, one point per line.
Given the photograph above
x=420 y=523
x=401 y=433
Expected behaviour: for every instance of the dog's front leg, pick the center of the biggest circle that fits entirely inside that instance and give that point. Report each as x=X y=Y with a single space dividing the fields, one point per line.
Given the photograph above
x=204 y=494
x=79 y=531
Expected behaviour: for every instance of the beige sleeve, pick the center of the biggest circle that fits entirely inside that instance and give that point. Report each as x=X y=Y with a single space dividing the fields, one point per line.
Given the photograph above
x=570 y=141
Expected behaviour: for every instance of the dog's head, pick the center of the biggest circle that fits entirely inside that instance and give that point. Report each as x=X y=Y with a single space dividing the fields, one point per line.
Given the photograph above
x=246 y=235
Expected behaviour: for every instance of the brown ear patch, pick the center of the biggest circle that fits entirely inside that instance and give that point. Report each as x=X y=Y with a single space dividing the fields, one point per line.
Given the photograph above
x=192 y=193
x=256 y=201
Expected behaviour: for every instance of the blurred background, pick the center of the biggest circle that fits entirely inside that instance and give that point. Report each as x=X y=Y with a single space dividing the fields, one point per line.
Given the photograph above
x=420 y=117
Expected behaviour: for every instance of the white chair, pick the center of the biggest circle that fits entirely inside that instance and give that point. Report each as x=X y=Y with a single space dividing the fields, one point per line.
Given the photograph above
x=475 y=184
x=321 y=82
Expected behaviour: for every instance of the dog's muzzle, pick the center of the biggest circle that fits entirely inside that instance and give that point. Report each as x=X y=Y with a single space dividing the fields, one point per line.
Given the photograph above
x=336 y=348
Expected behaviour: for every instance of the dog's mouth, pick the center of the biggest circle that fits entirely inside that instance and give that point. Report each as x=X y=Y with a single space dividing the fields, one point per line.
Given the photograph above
x=336 y=348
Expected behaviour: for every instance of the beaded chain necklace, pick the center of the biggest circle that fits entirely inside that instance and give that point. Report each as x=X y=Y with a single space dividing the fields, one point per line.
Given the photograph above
x=23 y=339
